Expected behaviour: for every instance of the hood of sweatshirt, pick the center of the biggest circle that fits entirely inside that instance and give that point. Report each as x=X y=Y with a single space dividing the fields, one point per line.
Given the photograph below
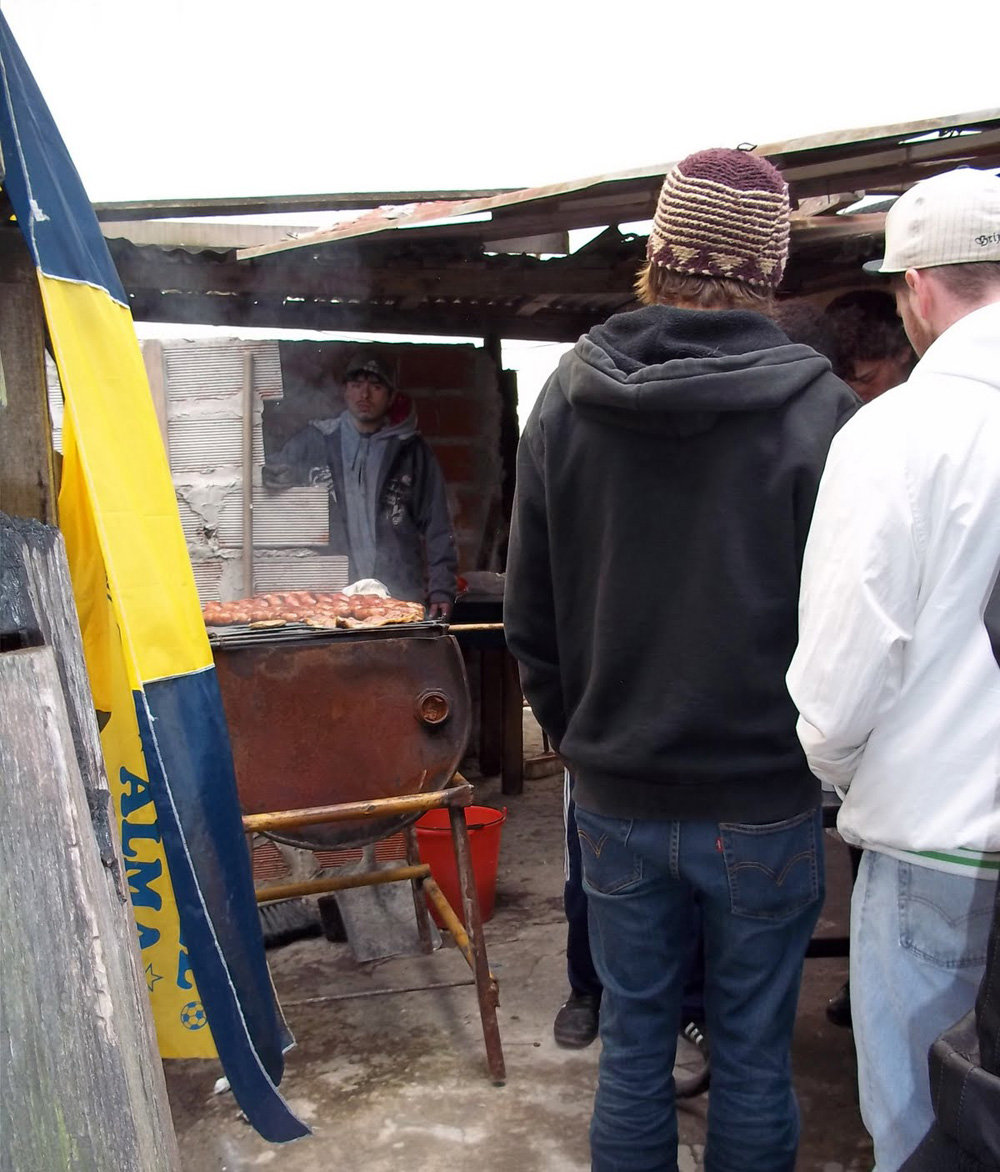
x=675 y=371
x=403 y=430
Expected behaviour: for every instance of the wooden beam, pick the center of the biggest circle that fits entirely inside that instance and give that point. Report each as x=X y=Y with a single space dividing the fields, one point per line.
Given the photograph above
x=152 y=357
x=811 y=229
x=252 y=205
x=893 y=167
x=297 y=275
x=819 y=205
x=27 y=464
x=450 y=320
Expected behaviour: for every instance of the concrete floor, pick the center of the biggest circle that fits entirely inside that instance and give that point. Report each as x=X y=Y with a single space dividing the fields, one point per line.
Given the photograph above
x=399 y=1082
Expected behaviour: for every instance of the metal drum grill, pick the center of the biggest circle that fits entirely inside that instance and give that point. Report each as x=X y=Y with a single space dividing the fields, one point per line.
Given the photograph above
x=319 y=718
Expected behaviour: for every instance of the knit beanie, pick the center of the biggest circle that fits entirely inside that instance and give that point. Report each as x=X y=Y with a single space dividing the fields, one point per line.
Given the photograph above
x=722 y=213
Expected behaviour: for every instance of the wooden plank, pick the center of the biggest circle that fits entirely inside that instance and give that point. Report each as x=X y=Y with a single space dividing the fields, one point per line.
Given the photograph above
x=27 y=466
x=145 y=271
x=247 y=472
x=166 y=209
x=473 y=321
x=824 y=205
x=512 y=781
x=83 y=1085
x=491 y=711
x=152 y=357
x=36 y=609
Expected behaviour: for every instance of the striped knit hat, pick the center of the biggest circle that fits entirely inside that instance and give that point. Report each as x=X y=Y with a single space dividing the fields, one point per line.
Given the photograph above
x=722 y=213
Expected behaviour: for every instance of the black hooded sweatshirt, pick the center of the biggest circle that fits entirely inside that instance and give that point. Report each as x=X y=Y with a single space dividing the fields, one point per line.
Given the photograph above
x=665 y=483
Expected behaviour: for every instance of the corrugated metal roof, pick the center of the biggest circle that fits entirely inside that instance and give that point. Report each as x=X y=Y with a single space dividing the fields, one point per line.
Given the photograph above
x=451 y=278
x=413 y=215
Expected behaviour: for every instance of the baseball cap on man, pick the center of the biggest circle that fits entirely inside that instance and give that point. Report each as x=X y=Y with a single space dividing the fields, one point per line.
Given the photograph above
x=368 y=362
x=951 y=219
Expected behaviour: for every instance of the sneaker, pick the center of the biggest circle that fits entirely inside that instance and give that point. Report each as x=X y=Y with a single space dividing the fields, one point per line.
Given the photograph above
x=838 y=1008
x=691 y=1064
x=576 y=1023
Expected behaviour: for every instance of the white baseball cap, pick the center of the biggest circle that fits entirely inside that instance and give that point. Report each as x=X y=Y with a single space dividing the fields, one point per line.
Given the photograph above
x=951 y=219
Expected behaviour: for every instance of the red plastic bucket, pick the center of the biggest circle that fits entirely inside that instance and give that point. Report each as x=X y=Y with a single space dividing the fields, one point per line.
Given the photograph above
x=436 y=850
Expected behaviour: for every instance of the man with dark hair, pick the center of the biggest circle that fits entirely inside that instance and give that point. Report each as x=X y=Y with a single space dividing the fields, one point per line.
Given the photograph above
x=388 y=508
x=894 y=677
x=665 y=482
x=871 y=352
x=801 y=320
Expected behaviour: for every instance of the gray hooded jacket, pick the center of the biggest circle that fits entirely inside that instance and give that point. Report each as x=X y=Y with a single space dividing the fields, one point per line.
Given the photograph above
x=388 y=507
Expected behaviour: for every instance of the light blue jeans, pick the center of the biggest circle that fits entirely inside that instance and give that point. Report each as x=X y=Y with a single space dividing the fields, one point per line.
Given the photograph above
x=918 y=949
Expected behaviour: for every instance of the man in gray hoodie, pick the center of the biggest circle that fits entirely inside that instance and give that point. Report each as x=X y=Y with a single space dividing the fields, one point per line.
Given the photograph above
x=388 y=508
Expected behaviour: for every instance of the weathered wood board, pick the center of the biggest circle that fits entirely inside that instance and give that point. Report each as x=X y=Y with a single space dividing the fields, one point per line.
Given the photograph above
x=82 y=1081
x=27 y=473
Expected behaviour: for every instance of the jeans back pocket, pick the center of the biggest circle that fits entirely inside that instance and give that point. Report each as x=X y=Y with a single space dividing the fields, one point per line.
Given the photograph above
x=608 y=863
x=773 y=868
x=944 y=918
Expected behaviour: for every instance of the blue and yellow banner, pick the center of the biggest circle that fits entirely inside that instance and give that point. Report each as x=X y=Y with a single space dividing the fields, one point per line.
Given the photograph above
x=163 y=732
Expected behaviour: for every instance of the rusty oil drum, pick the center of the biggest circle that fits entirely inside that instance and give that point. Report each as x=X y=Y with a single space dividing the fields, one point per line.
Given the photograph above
x=329 y=720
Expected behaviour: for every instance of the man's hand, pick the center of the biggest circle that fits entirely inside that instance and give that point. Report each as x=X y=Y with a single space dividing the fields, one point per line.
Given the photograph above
x=441 y=611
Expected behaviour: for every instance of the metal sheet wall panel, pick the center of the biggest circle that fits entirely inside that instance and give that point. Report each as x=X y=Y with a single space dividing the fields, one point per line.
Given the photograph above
x=299 y=573
x=208 y=578
x=192 y=524
x=292 y=517
x=208 y=443
x=203 y=369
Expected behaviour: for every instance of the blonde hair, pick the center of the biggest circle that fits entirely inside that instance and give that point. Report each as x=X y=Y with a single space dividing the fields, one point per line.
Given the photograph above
x=656 y=285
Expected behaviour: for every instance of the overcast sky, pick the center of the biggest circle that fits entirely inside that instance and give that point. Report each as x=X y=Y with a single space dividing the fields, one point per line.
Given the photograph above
x=186 y=98
x=198 y=98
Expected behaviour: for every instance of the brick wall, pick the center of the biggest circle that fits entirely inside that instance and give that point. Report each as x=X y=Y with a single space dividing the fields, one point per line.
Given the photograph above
x=456 y=394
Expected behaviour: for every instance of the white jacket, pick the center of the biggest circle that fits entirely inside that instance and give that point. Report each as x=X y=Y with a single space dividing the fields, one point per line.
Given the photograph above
x=894 y=677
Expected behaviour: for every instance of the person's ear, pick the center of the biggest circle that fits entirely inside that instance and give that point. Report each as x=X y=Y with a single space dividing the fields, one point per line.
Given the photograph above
x=923 y=293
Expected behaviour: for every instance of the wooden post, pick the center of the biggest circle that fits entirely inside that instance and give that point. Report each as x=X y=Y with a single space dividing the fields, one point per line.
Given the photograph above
x=83 y=1082
x=247 y=474
x=491 y=711
x=513 y=728
x=152 y=357
x=27 y=465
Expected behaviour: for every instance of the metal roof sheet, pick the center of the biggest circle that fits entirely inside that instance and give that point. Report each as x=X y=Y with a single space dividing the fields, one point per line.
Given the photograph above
x=419 y=214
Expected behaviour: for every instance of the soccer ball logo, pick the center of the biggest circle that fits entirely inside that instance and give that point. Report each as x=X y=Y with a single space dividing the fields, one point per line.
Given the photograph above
x=193 y=1016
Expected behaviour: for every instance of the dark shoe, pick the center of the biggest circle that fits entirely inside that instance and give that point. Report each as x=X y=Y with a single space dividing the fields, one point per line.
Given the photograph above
x=691 y=1065
x=838 y=1008
x=577 y=1021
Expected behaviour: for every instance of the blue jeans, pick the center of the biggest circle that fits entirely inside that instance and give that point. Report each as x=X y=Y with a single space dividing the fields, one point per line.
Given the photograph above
x=580 y=969
x=759 y=890
x=918 y=950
